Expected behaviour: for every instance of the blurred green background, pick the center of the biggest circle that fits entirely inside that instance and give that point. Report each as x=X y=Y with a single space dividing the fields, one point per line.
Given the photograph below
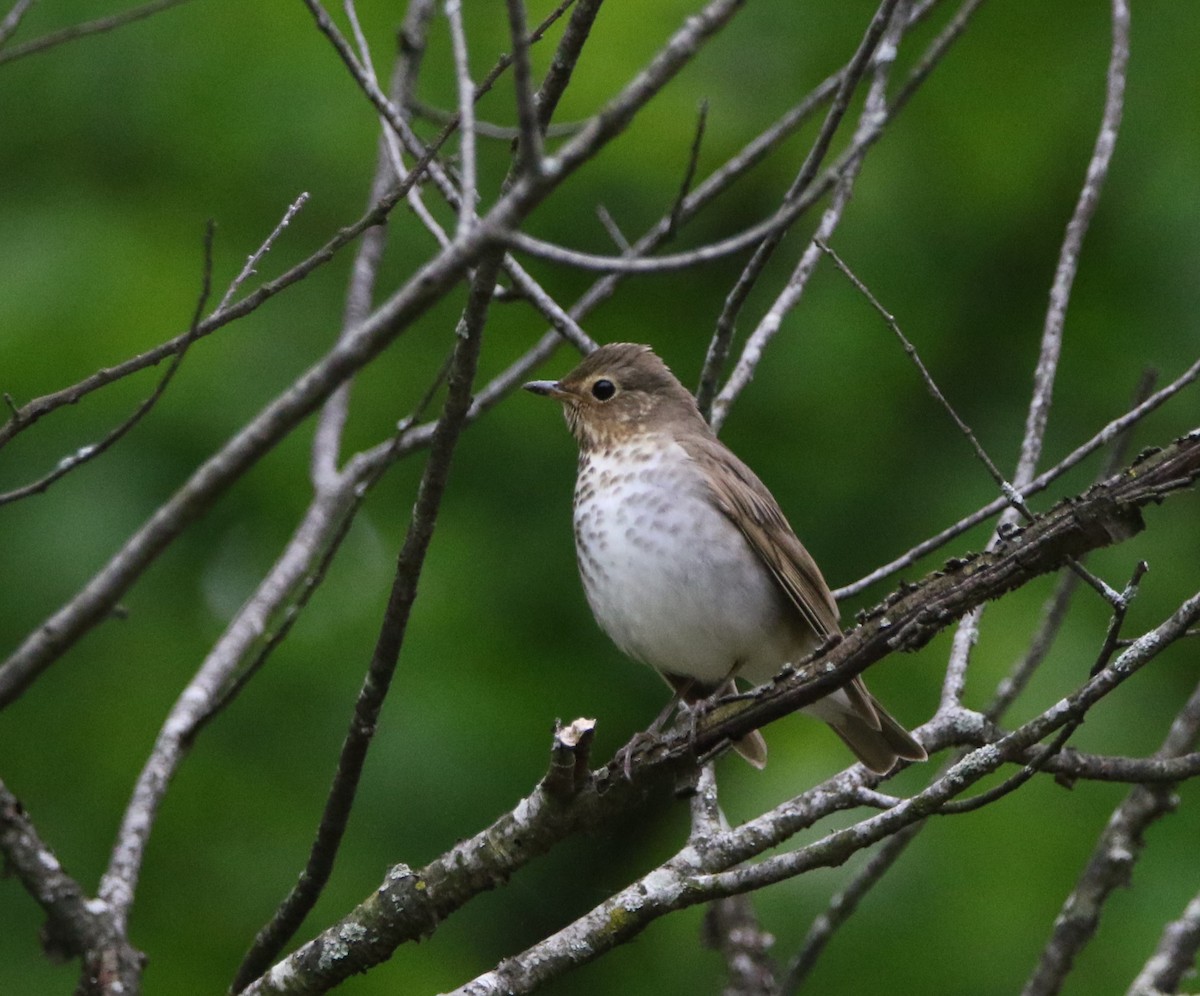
x=115 y=150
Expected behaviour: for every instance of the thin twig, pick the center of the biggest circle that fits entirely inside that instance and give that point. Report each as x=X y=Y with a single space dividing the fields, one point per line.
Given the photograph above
x=29 y=413
x=931 y=386
x=565 y=59
x=12 y=20
x=1039 y=483
x=98 y=26
x=560 y=319
x=468 y=193
x=842 y=906
x=331 y=421
x=255 y=257
x=1068 y=258
x=1174 y=958
x=613 y=229
x=1112 y=860
x=689 y=173
x=485 y=129
x=529 y=147
x=849 y=78
x=300 y=900
x=90 y=452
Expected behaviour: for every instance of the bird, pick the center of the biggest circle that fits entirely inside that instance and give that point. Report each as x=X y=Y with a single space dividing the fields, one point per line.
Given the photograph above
x=687 y=561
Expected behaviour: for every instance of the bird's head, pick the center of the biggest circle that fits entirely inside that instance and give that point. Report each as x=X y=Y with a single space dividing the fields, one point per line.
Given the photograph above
x=618 y=392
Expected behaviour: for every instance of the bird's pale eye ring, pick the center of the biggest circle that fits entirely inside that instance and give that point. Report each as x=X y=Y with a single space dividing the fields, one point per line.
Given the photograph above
x=603 y=389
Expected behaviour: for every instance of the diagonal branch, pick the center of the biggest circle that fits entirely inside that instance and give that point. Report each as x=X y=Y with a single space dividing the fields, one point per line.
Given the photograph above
x=59 y=632
x=96 y=27
x=1174 y=957
x=76 y=925
x=1111 y=863
x=856 y=68
x=334 y=819
x=529 y=146
x=410 y=903
x=29 y=413
x=12 y=20
x=711 y=869
x=93 y=450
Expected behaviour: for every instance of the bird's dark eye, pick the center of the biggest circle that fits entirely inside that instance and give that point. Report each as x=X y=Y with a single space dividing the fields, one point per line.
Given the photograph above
x=602 y=390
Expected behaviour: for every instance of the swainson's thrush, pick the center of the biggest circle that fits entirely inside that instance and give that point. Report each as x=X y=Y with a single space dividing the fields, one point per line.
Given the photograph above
x=687 y=561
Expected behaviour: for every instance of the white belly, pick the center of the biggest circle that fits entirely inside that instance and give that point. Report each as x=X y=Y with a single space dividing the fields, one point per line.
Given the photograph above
x=669 y=578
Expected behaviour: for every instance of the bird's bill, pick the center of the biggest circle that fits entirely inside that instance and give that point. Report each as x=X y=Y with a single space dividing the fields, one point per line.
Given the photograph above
x=547 y=388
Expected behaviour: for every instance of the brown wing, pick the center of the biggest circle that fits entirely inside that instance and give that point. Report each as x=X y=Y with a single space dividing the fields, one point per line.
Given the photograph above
x=875 y=737
x=746 y=501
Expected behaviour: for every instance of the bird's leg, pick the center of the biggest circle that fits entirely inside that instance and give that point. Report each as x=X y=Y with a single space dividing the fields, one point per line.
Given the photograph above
x=685 y=693
x=752 y=746
x=695 y=698
x=702 y=699
x=683 y=689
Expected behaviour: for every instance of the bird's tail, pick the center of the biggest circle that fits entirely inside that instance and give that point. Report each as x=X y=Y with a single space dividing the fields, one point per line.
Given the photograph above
x=867 y=728
x=753 y=748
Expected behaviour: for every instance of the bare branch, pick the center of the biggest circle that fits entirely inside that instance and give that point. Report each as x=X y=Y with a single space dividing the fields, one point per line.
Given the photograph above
x=1068 y=260
x=849 y=79
x=1112 y=861
x=410 y=903
x=77 y=926
x=302 y=898
x=12 y=20
x=842 y=906
x=98 y=26
x=548 y=308
x=255 y=257
x=732 y=928
x=413 y=33
x=566 y=57
x=34 y=863
x=1174 y=957
x=1039 y=483
x=466 y=114
x=689 y=173
x=484 y=129
x=1010 y=494
x=529 y=147
x=32 y=411
x=88 y=453
x=613 y=229
x=1072 y=764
